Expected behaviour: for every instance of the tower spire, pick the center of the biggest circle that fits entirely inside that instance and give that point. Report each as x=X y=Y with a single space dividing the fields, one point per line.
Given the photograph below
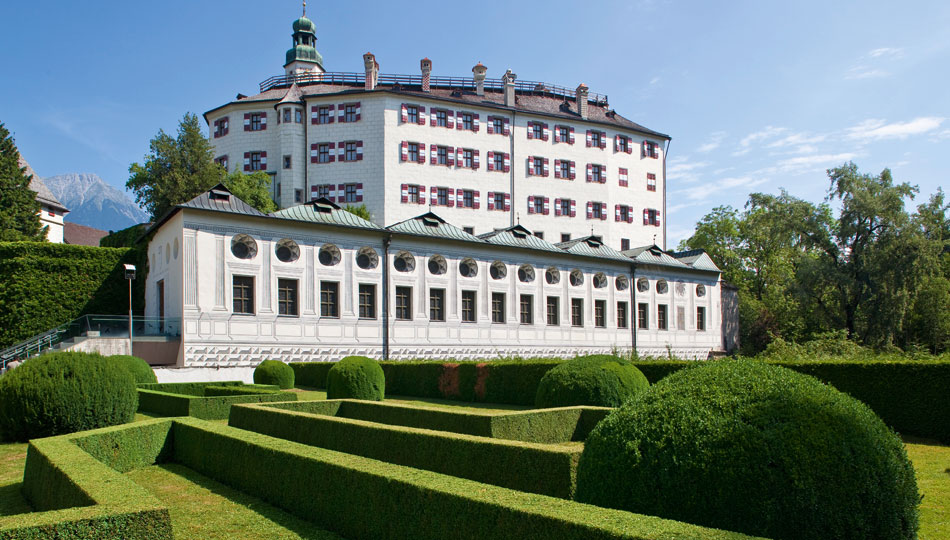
x=304 y=8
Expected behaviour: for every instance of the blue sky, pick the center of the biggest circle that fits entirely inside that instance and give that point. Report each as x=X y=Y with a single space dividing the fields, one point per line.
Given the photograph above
x=756 y=95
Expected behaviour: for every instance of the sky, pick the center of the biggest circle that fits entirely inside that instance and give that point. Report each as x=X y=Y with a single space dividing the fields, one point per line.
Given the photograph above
x=757 y=96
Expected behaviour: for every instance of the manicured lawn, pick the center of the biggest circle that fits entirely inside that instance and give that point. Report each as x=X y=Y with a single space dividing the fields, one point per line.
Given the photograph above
x=203 y=509
x=932 y=467
x=311 y=394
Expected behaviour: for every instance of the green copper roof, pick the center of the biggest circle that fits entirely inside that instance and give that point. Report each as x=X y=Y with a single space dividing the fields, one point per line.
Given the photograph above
x=305 y=37
x=697 y=259
x=591 y=247
x=323 y=211
x=653 y=255
x=519 y=237
x=432 y=226
x=304 y=53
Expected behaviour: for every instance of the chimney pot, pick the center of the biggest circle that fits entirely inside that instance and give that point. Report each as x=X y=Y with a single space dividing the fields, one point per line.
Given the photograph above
x=426 y=66
x=372 y=70
x=509 y=80
x=478 y=73
x=582 y=93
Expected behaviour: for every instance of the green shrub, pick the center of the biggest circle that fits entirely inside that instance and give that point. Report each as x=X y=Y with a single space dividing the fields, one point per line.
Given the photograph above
x=274 y=372
x=44 y=285
x=240 y=390
x=749 y=447
x=140 y=370
x=356 y=377
x=601 y=380
x=64 y=392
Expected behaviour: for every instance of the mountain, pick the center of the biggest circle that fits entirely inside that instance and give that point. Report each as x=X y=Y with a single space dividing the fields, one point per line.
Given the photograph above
x=94 y=203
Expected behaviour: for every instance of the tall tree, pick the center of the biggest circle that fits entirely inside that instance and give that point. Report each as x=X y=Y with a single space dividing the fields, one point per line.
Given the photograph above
x=176 y=170
x=19 y=209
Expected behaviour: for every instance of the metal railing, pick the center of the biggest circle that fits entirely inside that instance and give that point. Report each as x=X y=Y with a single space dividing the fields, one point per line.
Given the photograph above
x=461 y=83
x=108 y=326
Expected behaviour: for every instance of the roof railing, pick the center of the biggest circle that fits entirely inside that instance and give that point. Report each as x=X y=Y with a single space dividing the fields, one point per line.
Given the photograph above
x=461 y=83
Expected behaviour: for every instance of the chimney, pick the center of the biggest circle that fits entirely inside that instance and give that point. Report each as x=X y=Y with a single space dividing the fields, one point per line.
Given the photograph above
x=372 y=70
x=426 y=66
x=478 y=73
x=582 y=92
x=509 y=79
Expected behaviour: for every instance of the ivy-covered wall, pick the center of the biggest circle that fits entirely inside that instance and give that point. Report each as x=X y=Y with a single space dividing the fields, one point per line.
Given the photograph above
x=43 y=285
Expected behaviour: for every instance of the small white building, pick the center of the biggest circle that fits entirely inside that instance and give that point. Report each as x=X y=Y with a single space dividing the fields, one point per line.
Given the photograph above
x=52 y=212
x=315 y=283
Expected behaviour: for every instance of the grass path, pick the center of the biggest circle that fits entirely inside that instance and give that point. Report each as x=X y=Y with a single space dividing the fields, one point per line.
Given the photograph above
x=203 y=509
x=12 y=458
x=932 y=468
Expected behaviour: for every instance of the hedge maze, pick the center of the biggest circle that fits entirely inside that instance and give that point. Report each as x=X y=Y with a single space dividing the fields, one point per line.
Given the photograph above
x=76 y=483
x=210 y=401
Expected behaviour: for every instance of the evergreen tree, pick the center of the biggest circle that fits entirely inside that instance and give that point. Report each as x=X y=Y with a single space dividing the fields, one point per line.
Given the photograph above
x=19 y=209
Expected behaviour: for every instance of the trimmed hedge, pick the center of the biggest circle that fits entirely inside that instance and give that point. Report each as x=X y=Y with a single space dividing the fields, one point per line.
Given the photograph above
x=356 y=377
x=312 y=374
x=240 y=390
x=360 y=497
x=755 y=448
x=549 y=426
x=536 y=468
x=77 y=496
x=44 y=285
x=187 y=389
x=909 y=395
x=600 y=380
x=274 y=372
x=64 y=392
x=140 y=370
x=190 y=399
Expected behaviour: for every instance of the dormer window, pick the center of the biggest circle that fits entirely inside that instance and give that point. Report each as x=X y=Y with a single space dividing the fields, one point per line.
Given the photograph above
x=219 y=195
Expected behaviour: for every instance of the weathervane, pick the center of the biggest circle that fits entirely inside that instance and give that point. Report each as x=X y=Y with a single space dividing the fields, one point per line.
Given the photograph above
x=304 y=8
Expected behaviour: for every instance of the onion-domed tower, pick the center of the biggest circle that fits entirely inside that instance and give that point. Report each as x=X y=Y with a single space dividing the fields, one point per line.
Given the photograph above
x=303 y=57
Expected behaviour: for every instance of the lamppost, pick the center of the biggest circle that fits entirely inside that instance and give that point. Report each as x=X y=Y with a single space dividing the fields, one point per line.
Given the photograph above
x=130 y=275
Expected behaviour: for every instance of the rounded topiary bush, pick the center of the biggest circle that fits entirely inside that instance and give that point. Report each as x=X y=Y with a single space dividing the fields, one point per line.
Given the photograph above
x=750 y=447
x=356 y=377
x=65 y=392
x=140 y=370
x=601 y=380
x=274 y=372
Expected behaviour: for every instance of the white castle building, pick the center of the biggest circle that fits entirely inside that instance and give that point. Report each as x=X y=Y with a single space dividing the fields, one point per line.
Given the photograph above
x=508 y=218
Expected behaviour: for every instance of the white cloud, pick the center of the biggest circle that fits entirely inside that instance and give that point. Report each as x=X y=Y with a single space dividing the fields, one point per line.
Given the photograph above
x=876 y=130
x=886 y=51
x=654 y=80
x=715 y=139
x=807 y=163
x=945 y=134
x=769 y=132
x=865 y=72
x=703 y=191
x=684 y=171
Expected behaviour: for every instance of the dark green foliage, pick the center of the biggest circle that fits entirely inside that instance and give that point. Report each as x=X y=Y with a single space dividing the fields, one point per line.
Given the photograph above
x=140 y=370
x=536 y=468
x=62 y=393
x=44 y=285
x=19 y=209
x=78 y=497
x=311 y=374
x=600 y=380
x=125 y=238
x=253 y=188
x=356 y=377
x=360 y=497
x=274 y=372
x=745 y=446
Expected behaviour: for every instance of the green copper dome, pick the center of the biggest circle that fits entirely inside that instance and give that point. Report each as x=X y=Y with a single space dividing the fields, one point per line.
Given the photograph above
x=305 y=40
x=304 y=24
